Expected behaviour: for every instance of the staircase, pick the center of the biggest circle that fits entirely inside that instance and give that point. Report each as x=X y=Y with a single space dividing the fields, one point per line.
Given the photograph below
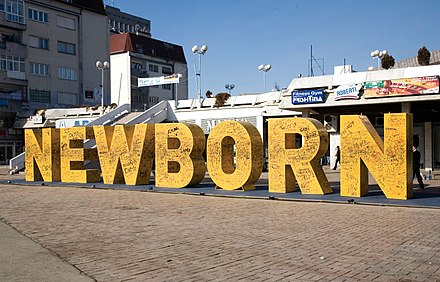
x=120 y=115
x=17 y=163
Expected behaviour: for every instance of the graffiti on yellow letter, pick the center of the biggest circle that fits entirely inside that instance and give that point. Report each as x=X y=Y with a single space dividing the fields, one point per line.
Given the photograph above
x=220 y=155
x=389 y=161
x=179 y=155
x=74 y=155
x=287 y=163
x=125 y=153
x=42 y=154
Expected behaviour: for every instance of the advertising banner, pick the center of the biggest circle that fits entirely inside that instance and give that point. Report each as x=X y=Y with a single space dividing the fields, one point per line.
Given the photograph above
x=12 y=95
x=348 y=91
x=71 y=122
x=401 y=87
x=307 y=96
x=151 y=81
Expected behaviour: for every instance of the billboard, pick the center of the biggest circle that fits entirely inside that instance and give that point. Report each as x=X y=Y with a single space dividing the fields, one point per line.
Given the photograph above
x=401 y=87
x=307 y=96
x=349 y=91
x=151 y=81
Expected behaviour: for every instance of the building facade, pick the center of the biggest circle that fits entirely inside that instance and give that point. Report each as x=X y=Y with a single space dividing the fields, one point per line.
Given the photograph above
x=48 y=51
x=133 y=56
x=120 y=22
x=413 y=90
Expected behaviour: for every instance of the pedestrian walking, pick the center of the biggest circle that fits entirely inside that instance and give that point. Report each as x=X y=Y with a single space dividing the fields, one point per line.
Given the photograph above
x=338 y=157
x=416 y=167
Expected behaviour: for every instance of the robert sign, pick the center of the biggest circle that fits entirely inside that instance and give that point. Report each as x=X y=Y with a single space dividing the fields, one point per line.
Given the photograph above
x=126 y=155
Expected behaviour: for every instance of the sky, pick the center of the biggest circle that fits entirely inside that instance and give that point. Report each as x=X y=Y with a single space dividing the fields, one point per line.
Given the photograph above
x=243 y=34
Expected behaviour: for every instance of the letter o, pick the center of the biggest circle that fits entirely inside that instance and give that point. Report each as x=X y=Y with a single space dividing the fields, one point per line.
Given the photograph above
x=220 y=155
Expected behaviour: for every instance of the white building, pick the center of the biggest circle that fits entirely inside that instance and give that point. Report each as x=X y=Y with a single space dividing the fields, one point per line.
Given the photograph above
x=133 y=56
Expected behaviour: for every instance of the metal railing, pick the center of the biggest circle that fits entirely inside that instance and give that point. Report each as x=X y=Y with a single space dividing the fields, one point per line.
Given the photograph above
x=17 y=163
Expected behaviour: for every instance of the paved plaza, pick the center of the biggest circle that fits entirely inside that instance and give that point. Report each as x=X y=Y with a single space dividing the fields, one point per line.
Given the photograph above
x=120 y=235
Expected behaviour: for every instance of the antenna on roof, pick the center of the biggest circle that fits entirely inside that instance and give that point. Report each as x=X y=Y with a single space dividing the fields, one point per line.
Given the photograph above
x=318 y=63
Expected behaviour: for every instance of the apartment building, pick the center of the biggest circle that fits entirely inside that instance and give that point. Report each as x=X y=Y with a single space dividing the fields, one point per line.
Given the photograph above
x=120 y=22
x=48 y=52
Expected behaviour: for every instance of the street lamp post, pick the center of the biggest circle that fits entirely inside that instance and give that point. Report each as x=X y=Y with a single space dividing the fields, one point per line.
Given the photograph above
x=200 y=52
x=101 y=66
x=229 y=87
x=264 y=69
x=376 y=54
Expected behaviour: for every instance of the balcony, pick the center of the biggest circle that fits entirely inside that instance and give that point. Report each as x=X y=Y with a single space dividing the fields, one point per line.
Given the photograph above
x=10 y=24
x=16 y=75
x=13 y=49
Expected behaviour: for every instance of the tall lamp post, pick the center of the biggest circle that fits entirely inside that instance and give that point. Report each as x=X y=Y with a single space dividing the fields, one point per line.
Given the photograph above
x=229 y=87
x=264 y=69
x=101 y=66
x=200 y=51
x=376 y=54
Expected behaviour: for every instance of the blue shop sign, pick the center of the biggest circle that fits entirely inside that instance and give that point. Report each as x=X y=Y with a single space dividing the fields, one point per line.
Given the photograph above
x=307 y=97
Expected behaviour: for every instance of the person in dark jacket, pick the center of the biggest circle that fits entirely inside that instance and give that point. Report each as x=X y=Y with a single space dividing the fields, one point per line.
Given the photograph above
x=338 y=157
x=416 y=167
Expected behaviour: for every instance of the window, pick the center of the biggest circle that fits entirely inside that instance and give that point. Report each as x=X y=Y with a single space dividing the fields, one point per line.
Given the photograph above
x=67 y=48
x=66 y=98
x=38 y=42
x=66 y=22
x=11 y=63
x=37 y=15
x=153 y=68
x=15 y=11
x=167 y=70
x=166 y=86
x=66 y=73
x=39 y=69
x=39 y=96
x=153 y=100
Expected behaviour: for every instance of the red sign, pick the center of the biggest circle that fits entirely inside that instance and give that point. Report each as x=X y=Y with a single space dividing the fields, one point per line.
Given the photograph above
x=402 y=87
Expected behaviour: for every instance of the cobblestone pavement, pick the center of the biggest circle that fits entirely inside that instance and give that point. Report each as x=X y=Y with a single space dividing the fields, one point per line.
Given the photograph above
x=114 y=235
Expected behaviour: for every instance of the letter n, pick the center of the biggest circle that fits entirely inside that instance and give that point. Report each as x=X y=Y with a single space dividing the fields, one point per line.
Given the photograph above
x=179 y=155
x=125 y=153
x=286 y=162
x=389 y=161
x=42 y=148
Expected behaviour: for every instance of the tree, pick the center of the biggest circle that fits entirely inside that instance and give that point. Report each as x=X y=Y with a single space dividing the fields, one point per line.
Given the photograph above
x=208 y=94
x=423 y=56
x=220 y=99
x=387 y=61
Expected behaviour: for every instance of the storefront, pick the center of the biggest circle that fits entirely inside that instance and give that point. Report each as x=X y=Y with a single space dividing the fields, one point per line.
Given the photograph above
x=374 y=93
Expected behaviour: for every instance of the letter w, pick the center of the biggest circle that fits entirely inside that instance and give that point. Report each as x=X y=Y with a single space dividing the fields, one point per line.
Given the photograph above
x=125 y=153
